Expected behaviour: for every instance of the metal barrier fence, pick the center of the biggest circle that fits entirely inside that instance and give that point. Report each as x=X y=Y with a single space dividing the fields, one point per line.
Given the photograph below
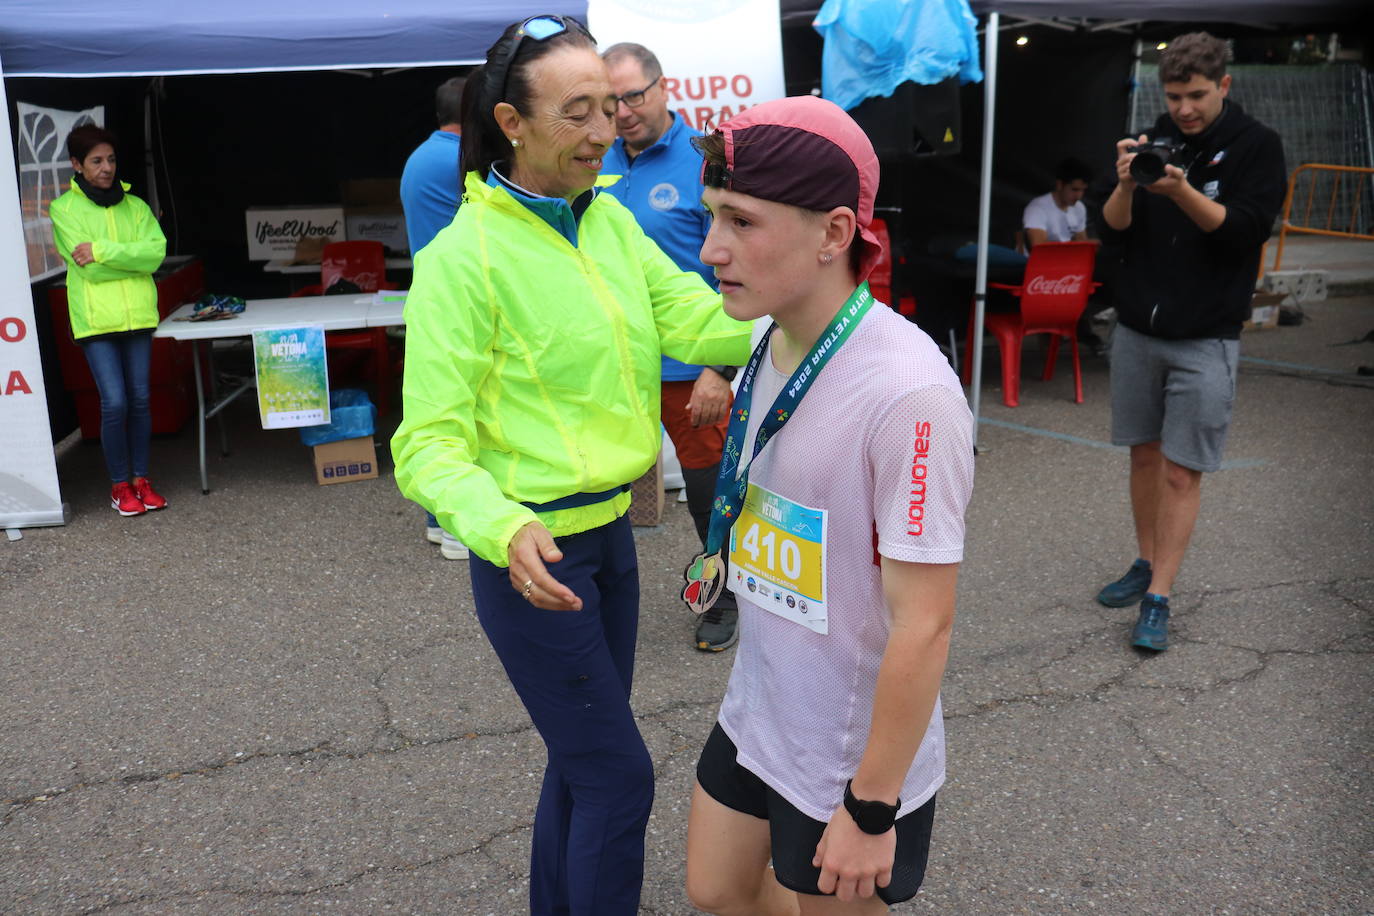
x=1342 y=217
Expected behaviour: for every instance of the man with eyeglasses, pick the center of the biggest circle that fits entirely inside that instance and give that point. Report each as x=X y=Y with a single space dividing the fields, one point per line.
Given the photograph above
x=657 y=175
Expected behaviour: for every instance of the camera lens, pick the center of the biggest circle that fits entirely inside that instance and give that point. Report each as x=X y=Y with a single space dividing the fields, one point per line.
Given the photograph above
x=1148 y=165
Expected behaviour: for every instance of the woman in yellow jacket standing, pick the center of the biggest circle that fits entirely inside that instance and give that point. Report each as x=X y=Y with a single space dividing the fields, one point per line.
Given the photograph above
x=112 y=244
x=534 y=330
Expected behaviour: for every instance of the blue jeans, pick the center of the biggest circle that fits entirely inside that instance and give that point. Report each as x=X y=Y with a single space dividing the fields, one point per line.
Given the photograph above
x=121 y=367
x=572 y=671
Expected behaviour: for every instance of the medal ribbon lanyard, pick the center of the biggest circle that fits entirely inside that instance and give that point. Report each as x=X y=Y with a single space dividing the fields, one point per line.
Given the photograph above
x=733 y=482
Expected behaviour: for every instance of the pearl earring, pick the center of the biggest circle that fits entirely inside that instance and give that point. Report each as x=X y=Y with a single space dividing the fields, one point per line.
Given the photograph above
x=515 y=142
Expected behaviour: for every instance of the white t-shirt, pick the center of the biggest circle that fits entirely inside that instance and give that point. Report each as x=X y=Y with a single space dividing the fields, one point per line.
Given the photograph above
x=1059 y=225
x=799 y=704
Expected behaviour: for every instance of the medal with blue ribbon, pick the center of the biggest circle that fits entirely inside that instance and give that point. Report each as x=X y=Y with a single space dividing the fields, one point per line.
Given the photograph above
x=705 y=575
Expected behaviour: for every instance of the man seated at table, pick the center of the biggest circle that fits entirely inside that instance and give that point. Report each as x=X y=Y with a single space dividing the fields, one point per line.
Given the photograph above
x=1059 y=216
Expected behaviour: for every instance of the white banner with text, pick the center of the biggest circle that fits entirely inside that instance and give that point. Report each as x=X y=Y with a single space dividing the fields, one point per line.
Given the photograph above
x=719 y=57
x=28 y=469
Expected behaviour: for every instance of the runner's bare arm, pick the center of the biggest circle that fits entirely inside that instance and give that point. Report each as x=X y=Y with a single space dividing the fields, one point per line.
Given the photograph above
x=920 y=599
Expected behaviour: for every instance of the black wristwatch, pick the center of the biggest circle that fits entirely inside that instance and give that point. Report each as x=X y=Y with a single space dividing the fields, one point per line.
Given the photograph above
x=873 y=817
x=727 y=371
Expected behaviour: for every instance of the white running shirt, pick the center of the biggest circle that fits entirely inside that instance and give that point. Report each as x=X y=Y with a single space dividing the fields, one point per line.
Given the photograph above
x=799 y=704
x=1059 y=225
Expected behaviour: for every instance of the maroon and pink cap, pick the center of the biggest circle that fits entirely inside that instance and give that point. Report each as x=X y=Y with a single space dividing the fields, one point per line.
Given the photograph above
x=803 y=151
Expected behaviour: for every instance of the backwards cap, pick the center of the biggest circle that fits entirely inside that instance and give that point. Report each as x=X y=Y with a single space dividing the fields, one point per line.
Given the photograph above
x=803 y=151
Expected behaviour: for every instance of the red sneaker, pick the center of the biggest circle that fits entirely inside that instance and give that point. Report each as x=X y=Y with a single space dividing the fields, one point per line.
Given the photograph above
x=125 y=502
x=150 y=498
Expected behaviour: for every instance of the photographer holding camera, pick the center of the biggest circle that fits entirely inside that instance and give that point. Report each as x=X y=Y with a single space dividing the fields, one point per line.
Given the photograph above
x=1194 y=202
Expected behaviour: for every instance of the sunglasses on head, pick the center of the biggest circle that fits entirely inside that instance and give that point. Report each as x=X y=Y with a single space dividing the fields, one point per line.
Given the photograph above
x=536 y=28
x=716 y=176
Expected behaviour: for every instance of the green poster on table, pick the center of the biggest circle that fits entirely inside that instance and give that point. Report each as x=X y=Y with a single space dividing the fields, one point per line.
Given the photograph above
x=292 y=376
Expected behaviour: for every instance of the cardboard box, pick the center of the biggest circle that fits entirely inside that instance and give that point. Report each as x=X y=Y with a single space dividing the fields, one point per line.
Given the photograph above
x=371 y=192
x=1264 y=311
x=646 y=496
x=346 y=460
x=276 y=232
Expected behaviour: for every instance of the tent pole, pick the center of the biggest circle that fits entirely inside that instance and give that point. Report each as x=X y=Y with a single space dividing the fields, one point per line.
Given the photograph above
x=1139 y=50
x=152 y=197
x=980 y=283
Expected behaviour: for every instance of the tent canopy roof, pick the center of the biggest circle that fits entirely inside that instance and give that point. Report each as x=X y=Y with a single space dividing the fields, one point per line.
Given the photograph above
x=152 y=37
x=1248 y=12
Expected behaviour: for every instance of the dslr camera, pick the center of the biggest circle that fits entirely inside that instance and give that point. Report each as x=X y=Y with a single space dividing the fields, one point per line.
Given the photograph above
x=1151 y=157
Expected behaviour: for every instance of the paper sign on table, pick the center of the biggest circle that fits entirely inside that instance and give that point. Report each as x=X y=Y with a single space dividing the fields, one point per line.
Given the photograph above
x=292 y=376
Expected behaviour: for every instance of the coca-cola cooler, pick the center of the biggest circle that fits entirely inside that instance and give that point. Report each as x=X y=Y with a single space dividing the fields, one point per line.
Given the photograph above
x=180 y=279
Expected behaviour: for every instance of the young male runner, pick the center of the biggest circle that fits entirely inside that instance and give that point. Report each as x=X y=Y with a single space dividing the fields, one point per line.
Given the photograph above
x=844 y=550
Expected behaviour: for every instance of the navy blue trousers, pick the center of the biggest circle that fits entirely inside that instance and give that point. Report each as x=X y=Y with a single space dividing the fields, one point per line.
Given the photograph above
x=572 y=670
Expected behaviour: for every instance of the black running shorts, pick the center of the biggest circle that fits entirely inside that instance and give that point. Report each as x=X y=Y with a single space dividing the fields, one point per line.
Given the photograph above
x=794 y=835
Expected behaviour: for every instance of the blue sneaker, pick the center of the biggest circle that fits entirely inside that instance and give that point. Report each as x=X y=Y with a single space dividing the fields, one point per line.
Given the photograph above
x=1130 y=588
x=1152 y=627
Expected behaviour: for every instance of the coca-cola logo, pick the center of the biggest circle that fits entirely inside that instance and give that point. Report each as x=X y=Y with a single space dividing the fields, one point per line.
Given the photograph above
x=1066 y=285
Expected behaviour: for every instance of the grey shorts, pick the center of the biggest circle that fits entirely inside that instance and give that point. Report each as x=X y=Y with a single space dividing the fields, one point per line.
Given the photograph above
x=1176 y=392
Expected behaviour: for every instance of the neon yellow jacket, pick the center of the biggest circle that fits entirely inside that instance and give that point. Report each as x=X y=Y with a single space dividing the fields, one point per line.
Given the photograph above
x=115 y=292
x=532 y=367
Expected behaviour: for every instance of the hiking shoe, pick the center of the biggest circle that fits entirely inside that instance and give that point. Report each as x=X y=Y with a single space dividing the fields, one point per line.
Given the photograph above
x=452 y=548
x=718 y=629
x=1130 y=588
x=125 y=501
x=434 y=534
x=1152 y=628
x=150 y=498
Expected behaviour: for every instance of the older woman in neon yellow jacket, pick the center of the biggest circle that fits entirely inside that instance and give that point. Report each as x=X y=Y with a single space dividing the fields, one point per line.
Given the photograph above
x=533 y=338
x=534 y=330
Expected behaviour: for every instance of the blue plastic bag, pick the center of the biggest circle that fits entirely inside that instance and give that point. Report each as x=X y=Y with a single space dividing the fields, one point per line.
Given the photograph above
x=351 y=415
x=873 y=46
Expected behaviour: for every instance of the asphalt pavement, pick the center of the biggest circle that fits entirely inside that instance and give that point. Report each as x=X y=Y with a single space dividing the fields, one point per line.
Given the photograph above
x=276 y=698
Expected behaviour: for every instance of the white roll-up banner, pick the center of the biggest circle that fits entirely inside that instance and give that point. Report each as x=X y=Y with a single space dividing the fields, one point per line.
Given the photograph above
x=28 y=469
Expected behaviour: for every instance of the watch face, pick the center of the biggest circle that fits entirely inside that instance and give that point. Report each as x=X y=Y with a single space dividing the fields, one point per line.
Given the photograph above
x=874 y=818
x=871 y=816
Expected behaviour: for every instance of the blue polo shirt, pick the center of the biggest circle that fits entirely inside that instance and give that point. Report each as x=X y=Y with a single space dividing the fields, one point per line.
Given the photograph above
x=430 y=188
x=662 y=188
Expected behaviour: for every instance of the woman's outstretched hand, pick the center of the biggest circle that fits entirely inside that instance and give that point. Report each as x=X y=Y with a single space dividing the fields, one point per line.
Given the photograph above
x=529 y=550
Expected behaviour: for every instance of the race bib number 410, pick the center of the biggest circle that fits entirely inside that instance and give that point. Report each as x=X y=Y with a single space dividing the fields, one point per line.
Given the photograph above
x=777 y=557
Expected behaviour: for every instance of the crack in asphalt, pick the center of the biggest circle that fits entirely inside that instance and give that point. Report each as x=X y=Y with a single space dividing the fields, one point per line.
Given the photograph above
x=1179 y=636
x=319 y=751
x=479 y=848
x=1215 y=803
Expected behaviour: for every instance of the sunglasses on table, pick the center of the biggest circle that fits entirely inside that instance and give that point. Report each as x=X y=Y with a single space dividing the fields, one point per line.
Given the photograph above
x=536 y=28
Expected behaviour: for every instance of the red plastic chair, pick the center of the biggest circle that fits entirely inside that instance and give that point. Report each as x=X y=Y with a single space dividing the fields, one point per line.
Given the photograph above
x=880 y=280
x=362 y=263
x=1052 y=294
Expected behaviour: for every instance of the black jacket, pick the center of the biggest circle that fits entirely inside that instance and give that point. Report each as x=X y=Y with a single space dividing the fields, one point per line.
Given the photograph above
x=1178 y=282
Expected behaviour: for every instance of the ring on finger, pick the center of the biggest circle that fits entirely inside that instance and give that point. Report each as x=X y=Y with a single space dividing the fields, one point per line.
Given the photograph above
x=526 y=588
